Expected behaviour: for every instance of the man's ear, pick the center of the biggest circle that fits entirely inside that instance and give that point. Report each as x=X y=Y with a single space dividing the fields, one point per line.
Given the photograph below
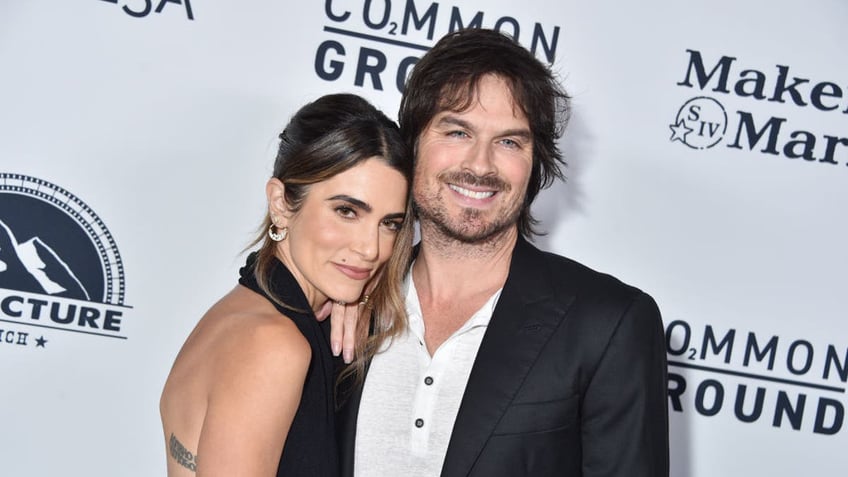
x=275 y=191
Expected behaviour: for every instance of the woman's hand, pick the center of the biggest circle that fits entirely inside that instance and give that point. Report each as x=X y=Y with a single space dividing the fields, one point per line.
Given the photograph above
x=343 y=319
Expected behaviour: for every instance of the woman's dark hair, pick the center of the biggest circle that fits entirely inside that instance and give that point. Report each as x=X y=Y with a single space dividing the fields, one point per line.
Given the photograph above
x=327 y=137
x=446 y=79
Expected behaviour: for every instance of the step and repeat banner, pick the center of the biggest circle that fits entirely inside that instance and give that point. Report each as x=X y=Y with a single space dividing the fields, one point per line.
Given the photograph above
x=708 y=165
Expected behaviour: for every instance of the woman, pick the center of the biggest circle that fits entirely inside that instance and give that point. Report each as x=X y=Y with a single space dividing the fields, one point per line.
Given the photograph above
x=251 y=391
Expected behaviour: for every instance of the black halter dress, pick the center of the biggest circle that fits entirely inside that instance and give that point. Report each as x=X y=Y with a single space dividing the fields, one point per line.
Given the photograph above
x=310 y=448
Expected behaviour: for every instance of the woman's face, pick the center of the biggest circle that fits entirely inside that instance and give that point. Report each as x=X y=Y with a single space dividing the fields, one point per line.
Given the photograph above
x=344 y=231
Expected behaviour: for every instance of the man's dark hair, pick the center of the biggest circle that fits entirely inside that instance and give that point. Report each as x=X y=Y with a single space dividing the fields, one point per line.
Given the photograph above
x=446 y=79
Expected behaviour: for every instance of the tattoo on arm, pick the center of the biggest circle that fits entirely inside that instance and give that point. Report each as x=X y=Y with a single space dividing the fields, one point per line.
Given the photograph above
x=183 y=456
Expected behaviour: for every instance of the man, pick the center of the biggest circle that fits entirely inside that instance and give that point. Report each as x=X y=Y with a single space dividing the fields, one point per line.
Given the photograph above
x=517 y=361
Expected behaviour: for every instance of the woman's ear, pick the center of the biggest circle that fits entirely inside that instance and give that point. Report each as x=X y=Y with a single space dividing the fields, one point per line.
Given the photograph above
x=275 y=191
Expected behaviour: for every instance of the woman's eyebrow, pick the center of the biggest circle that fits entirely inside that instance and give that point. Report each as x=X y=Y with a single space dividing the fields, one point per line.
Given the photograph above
x=353 y=201
x=396 y=215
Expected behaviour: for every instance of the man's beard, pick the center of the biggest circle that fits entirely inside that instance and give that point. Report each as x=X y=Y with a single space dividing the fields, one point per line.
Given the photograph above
x=468 y=227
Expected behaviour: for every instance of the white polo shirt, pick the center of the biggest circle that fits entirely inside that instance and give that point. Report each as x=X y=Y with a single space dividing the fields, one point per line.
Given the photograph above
x=410 y=399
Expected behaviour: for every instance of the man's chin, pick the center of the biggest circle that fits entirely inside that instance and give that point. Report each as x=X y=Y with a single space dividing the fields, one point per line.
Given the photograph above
x=474 y=233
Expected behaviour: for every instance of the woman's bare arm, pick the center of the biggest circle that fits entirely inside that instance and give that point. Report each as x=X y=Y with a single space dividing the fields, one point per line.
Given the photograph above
x=252 y=402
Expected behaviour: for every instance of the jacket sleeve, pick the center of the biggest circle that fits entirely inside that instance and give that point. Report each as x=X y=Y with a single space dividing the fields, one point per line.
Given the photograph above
x=624 y=428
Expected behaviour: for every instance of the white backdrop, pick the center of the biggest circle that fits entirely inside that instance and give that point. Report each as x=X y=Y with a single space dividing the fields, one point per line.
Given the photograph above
x=161 y=117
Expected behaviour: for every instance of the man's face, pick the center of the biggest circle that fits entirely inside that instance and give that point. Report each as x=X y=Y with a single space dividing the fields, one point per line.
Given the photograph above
x=473 y=166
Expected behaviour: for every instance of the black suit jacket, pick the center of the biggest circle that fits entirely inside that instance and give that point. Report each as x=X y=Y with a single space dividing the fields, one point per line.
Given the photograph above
x=570 y=380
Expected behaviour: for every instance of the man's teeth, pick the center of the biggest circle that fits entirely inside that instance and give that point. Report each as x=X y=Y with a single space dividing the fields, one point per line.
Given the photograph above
x=472 y=194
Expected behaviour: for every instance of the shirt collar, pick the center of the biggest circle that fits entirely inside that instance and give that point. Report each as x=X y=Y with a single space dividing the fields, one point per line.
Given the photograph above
x=416 y=321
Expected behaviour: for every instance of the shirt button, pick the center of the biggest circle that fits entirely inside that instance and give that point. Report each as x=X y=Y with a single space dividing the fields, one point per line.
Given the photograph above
x=428 y=380
x=419 y=423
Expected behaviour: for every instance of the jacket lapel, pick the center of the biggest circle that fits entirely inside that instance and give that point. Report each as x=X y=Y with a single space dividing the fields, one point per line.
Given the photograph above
x=526 y=315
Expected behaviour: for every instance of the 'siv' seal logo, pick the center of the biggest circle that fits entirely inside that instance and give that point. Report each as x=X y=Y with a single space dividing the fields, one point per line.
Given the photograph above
x=700 y=123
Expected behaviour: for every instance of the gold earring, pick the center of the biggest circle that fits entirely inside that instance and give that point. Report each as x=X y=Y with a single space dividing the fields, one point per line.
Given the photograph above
x=277 y=236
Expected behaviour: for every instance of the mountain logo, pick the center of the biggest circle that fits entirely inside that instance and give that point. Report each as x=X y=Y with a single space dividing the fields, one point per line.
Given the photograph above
x=60 y=267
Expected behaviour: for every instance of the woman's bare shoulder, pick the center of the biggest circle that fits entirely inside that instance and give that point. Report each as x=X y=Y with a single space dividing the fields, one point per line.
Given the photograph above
x=245 y=329
x=243 y=357
x=241 y=332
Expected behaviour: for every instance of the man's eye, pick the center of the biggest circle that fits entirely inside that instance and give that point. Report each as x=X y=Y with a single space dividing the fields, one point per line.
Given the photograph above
x=457 y=134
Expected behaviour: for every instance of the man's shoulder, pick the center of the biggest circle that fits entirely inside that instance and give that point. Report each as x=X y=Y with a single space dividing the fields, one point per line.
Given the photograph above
x=570 y=275
x=599 y=301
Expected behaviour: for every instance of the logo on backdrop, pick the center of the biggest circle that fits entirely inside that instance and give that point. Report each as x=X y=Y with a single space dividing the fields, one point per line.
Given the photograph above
x=375 y=44
x=764 y=380
x=142 y=8
x=702 y=122
x=60 y=269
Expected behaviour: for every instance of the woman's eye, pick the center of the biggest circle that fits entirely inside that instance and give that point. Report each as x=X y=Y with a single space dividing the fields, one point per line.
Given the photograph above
x=346 y=212
x=393 y=225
